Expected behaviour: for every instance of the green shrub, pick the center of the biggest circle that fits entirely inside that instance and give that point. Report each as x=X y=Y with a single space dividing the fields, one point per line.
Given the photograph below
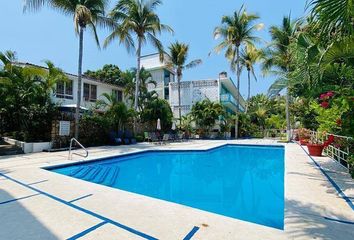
x=94 y=130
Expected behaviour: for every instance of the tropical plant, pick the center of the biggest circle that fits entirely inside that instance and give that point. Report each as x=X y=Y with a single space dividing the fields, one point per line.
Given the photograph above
x=250 y=55
x=25 y=107
x=119 y=115
x=145 y=80
x=137 y=17
x=85 y=14
x=278 y=59
x=178 y=57
x=186 y=124
x=205 y=113
x=109 y=74
x=333 y=16
x=157 y=109
x=234 y=31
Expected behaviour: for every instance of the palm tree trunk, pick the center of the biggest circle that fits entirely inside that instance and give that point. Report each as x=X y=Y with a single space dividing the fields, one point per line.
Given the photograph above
x=249 y=89
x=238 y=88
x=137 y=81
x=287 y=112
x=137 y=78
x=79 y=82
x=179 y=99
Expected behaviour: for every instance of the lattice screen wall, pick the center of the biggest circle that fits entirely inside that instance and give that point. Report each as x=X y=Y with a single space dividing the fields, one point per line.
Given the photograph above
x=192 y=92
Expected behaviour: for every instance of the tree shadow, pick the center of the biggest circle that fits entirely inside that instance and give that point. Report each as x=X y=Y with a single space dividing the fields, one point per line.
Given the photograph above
x=308 y=221
x=16 y=222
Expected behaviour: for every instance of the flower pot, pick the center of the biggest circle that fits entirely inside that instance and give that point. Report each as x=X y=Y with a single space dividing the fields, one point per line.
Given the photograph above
x=315 y=149
x=304 y=141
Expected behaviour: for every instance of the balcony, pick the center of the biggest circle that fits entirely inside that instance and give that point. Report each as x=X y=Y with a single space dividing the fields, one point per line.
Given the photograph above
x=229 y=101
x=228 y=98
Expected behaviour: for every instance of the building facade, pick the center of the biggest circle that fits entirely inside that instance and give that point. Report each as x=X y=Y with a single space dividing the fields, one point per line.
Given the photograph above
x=65 y=93
x=221 y=90
x=160 y=73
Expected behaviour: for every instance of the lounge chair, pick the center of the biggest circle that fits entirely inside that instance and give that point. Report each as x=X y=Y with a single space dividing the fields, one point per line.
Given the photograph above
x=129 y=136
x=154 y=138
x=147 y=137
x=124 y=139
x=114 y=138
x=166 y=138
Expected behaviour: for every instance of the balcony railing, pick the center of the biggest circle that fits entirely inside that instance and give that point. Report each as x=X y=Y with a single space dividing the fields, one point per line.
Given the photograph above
x=229 y=98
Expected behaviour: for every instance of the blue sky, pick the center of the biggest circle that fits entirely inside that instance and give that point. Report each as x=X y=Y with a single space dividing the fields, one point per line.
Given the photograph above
x=50 y=35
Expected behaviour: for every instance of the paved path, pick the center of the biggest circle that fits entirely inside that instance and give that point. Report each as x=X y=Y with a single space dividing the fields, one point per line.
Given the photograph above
x=38 y=204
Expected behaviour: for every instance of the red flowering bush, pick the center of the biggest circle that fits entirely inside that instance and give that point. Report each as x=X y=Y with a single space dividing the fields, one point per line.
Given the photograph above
x=325 y=97
x=325 y=104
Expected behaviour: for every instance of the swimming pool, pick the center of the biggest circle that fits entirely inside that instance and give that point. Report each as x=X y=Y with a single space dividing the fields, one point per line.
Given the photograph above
x=239 y=181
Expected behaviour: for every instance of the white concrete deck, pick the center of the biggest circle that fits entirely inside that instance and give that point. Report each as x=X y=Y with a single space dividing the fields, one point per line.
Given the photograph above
x=35 y=203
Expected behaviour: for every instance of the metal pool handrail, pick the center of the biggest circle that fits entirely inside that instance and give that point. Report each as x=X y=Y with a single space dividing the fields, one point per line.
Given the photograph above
x=80 y=145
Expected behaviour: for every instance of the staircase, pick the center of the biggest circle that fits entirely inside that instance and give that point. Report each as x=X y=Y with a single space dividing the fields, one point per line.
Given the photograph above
x=106 y=175
x=8 y=149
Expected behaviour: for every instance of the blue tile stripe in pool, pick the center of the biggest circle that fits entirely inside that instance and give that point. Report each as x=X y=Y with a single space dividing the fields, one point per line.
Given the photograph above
x=239 y=181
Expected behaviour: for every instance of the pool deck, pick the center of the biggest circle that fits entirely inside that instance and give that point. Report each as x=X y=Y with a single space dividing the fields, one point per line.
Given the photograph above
x=38 y=204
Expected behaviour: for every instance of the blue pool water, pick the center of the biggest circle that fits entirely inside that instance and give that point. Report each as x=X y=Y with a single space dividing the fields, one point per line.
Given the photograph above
x=243 y=182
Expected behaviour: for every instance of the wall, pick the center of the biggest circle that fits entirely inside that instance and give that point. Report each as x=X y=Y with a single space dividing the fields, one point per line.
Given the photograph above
x=101 y=88
x=192 y=92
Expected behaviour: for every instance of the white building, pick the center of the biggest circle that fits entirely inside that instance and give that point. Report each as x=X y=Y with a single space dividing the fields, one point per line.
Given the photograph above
x=222 y=90
x=65 y=93
x=160 y=73
x=91 y=90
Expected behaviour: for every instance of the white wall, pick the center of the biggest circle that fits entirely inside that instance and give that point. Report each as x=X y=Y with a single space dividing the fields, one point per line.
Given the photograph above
x=158 y=76
x=101 y=88
x=192 y=92
x=153 y=61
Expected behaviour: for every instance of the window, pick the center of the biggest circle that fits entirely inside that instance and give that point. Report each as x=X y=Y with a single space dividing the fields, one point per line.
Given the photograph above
x=90 y=92
x=64 y=89
x=118 y=95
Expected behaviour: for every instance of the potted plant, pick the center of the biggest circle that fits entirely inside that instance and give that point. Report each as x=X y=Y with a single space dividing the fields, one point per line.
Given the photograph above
x=315 y=148
x=304 y=136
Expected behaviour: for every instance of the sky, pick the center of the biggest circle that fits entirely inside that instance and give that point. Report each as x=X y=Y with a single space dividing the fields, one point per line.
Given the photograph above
x=49 y=35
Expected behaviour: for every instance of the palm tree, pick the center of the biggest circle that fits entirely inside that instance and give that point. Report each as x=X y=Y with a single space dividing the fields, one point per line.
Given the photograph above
x=130 y=84
x=53 y=76
x=250 y=55
x=85 y=14
x=278 y=59
x=137 y=17
x=178 y=56
x=236 y=30
x=333 y=16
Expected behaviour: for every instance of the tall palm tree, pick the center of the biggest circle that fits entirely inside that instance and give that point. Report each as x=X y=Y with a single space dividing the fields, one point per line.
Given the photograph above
x=137 y=17
x=250 y=55
x=178 y=56
x=85 y=13
x=278 y=61
x=234 y=31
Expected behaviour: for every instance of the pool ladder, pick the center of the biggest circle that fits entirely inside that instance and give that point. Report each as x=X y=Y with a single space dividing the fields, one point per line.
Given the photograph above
x=70 y=157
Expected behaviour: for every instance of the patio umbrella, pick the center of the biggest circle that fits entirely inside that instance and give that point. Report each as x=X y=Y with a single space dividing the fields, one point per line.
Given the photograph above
x=158 y=127
x=173 y=126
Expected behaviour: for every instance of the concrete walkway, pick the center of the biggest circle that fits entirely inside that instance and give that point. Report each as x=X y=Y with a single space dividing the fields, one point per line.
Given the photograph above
x=38 y=204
